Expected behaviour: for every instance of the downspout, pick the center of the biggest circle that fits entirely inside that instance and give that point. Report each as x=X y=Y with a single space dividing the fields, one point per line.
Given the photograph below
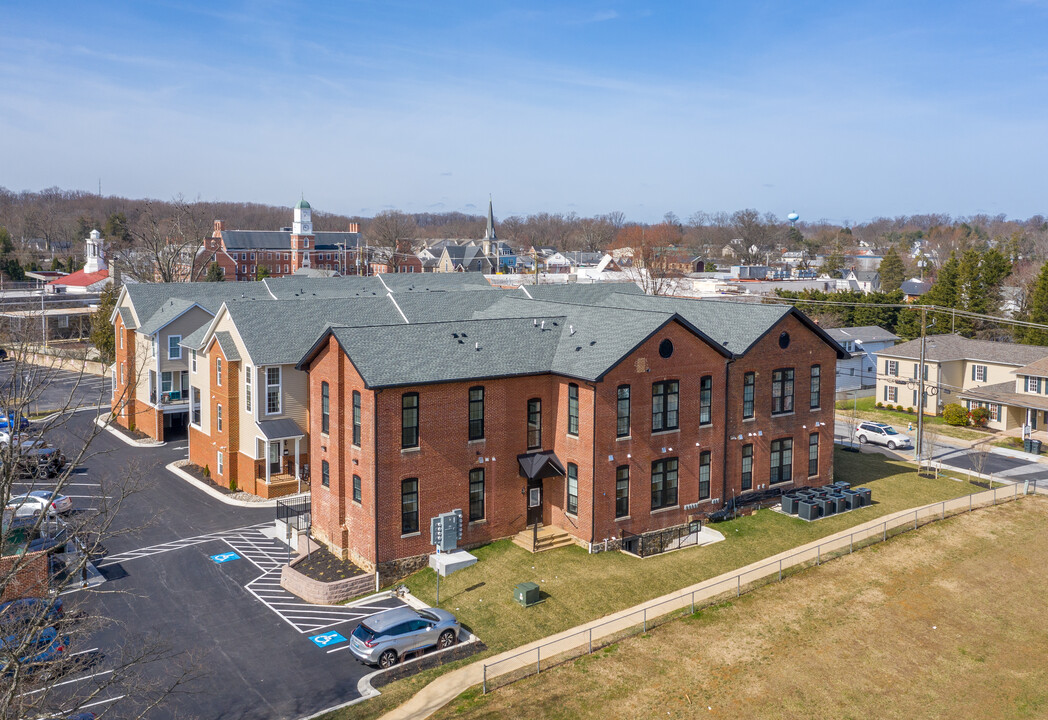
x=593 y=473
x=374 y=479
x=724 y=433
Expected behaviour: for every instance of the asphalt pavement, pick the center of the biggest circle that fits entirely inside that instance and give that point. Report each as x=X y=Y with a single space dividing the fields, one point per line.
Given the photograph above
x=202 y=578
x=51 y=389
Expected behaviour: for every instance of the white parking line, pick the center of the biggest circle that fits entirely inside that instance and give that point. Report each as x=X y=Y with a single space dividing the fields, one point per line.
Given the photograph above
x=84 y=652
x=67 y=682
x=103 y=702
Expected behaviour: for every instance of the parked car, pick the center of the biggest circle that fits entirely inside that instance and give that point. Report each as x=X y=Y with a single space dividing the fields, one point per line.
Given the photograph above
x=46 y=648
x=34 y=458
x=24 y=610
x=881 y=434
x=40 y=501
x=3 y=355
x=9 y=420
x=384 y=638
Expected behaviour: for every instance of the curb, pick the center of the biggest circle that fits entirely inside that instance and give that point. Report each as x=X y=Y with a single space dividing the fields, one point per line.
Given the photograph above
x=133 y=443
x=179 y=472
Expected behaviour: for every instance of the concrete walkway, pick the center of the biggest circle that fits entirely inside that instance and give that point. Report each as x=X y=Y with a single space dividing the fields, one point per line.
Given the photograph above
x=447 y=687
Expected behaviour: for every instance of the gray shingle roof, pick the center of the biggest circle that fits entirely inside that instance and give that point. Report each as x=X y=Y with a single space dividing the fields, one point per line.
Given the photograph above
x=944 y=348
x=915 y=287
x=1005 y=394
x=281 y=240
x=281 y=429
x=149 y=298
x=866 y=333
x=373 y=286
x=573 y=292
x=229 y=348
x=128 y=317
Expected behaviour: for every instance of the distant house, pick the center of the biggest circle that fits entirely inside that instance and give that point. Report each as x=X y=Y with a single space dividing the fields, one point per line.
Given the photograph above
x=913 y=289
x=863 y=344
x=866 y=281
x=733 y=249
x=557 y=263
x=464 y=258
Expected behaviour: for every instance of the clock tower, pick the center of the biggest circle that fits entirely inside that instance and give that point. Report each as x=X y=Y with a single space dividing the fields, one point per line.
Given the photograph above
x=301 y=235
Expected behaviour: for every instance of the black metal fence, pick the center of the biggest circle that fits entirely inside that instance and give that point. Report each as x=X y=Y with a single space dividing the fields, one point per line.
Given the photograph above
x=296 y=512
x=662 y=541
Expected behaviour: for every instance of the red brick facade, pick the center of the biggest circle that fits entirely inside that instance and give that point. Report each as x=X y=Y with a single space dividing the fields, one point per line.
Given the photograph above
x=445 y=455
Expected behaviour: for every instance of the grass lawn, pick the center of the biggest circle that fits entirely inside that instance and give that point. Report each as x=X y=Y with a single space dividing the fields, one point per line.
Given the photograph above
x=581 y=587
x=868 y=410
x=947 y=621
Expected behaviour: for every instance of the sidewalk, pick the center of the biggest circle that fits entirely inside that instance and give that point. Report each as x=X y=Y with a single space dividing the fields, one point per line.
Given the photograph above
x=447 y=687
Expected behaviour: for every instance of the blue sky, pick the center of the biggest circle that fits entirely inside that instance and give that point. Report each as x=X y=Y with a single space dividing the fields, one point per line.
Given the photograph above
x=844 y=111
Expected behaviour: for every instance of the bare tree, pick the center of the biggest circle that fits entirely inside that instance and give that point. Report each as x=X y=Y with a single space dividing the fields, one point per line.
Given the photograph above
x=167 y=238
x=653 y=267
x=387 y=229
x=46 y=556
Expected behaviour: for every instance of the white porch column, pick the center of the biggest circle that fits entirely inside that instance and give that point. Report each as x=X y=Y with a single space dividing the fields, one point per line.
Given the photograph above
x=297 y=469
x=269 y=468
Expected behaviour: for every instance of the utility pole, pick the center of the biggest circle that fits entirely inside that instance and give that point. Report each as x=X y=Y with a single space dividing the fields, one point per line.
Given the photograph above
x=919 y=446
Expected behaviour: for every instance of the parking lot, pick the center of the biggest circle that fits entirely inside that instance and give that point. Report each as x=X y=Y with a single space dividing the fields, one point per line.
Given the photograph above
x=51 y=389
x=201 y=577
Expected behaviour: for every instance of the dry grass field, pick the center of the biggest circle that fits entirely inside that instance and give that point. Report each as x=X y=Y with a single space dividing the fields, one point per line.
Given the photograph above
x=947 y=621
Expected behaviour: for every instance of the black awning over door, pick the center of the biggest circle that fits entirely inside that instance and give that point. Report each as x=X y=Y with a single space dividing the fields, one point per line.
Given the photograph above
x=539 y=465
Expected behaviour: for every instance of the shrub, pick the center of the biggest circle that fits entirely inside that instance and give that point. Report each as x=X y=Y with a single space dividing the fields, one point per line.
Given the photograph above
x=233 y=485
x=980 y=416
x=880 y=405
x=889 y=406
x=955 y=414
x=207 y=471
x=909 y=409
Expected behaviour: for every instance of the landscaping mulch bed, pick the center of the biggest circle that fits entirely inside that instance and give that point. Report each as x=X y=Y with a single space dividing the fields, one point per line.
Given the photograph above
x=322 y=566
x=198 y=473
x=133 y=434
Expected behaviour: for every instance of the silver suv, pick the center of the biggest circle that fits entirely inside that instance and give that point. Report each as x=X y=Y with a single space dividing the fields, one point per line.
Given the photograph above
x=384 y=638
x=881 y=434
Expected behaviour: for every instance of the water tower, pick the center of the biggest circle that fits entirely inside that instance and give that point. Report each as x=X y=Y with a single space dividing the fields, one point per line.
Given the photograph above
x=793 y=218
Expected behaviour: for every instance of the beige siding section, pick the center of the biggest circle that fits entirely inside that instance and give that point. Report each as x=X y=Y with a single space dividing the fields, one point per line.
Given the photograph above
x=183 y=326
x=145 y=362
x=995 y=374
x=201 y=379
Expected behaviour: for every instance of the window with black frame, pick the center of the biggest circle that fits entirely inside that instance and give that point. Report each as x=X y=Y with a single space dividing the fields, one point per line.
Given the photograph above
x=476 y=494
x=409 y=420
x=664 y=404
x=816 y=387
x=409 y=506
x=325 y=408
x=573 y=409
x=534 y=424
x=573 y=489
x=663 y=483
x=706 y=400
x=747 y=467
x=622 y=428
x=813 y=454
x=622 y=491
x=356 y=418
x=476 y=413
x=704 y=474
x=749 y=381
x=782 y=391
x=781 y=461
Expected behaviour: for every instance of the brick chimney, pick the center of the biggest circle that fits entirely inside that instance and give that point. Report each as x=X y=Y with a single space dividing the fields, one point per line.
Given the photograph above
x=354 y=227
x=219 y=227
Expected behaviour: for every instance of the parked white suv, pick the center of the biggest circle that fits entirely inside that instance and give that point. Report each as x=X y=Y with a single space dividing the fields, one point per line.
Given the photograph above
x=881 y=434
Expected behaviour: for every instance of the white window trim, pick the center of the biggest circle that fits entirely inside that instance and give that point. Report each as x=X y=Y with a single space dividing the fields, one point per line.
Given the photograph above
x=249 y=388
x=221 y=463
x=174 y=346
x=279 y=387
x=193 y=360
x=193 y=389
x=218 y=417
x=218 y=372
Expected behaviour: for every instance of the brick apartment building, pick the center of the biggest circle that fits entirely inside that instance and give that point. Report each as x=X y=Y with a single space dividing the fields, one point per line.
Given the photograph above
x=598 y=412
x=241 y=253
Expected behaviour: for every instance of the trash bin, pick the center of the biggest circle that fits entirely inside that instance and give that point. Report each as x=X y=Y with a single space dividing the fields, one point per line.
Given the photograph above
x=1035 y=447
x=1027 y=445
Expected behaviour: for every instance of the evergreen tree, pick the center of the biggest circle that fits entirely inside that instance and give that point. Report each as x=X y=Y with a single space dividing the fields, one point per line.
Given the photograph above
x=102 y=334
x=262 y=273
x=833 y=263
x=993 y=268
x=892 y=271
x=1038 y=312
x=214 y=274
x=971 y=293
x=943 y=293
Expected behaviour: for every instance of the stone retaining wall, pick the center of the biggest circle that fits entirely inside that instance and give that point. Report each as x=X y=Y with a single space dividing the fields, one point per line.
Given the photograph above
x=322 y=593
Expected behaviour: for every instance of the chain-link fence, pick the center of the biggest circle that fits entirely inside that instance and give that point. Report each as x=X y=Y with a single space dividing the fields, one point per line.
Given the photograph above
x=561 y=649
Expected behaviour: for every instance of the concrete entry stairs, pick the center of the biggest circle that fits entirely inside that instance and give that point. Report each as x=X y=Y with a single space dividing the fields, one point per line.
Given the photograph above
x=546 y=538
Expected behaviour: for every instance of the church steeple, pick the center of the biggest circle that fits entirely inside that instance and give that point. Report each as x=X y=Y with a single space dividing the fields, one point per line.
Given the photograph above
x=489 y=234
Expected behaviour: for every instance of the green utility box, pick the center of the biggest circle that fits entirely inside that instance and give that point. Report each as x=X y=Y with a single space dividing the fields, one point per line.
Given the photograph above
x=526 y=593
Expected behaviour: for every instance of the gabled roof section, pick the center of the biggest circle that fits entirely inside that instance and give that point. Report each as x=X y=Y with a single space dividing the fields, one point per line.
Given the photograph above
x=946 y=348
x=148 y=298
x=168 y=313
x=80 y=279
x=865 y=333
x=280 y=240
x=229 y=347
x=127 y=317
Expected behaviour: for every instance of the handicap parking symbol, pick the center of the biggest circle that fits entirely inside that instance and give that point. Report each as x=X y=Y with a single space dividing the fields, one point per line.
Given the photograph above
x=224 y=557
x=331 y=638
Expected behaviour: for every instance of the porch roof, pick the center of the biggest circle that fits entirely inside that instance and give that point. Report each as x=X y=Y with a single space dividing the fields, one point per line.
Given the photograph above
x=282 y=429
x=539 y=465
x=1004 y=394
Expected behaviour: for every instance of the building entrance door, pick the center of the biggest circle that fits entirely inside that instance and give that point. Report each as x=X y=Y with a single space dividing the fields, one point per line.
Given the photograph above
x=534 y=498
x=274 y=458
